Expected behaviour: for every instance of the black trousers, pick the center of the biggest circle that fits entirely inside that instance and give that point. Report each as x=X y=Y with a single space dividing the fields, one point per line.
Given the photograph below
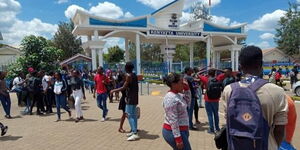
x=37 y=99
x=48 y=99
x=196 y=109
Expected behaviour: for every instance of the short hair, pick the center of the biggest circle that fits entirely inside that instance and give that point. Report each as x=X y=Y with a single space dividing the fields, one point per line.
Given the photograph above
x=187 y=69
x=212 y=72
x=171 y=78
x=59 y=74
x=251 y=56
x=129 y=66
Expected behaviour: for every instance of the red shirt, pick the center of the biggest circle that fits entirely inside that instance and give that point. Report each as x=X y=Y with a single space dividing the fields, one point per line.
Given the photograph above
x=204 y=80
x=100 y=87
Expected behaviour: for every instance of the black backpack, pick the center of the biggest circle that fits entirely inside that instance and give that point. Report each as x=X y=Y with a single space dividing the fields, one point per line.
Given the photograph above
x=214 y=89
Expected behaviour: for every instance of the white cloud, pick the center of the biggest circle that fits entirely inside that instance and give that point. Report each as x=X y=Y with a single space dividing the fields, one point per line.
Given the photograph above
x=62 y=1
x=71 y=10
x=263 y=44
x=268 y=22
x=186 y=17
x=267 y=36
x=14 y=29
x=114 y=41
x=156 y=4
x=105 y=9
x=128 y=15
x=220 y=20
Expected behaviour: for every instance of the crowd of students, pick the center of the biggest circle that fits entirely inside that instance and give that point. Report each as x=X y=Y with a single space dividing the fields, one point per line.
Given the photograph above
x=276 y=75
x=259 y=115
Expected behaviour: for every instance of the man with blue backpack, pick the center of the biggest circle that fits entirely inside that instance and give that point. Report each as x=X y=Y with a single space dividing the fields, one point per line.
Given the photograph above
x=256 y=111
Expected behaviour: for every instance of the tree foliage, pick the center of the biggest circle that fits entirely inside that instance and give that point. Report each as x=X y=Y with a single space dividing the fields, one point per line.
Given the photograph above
x=115 y=55
x=288 y=33
x=65 y=40
x=38 y=54
x=149 y=52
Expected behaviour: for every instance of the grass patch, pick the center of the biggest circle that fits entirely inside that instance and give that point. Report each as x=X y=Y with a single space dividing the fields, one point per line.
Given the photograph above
x=296 y=98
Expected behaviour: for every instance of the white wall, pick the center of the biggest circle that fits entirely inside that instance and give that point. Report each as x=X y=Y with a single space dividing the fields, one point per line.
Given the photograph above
x=269 y=57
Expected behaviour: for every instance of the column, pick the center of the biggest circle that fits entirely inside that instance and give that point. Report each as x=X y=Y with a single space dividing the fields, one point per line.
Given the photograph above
x=232 y=59
x=218 y=59
x=208 y=51
x=214 y=59
x=94 y=59
x=171 y=63
x=100 y=55
x=237 y=60
x=138 y=54
x=96 y=35
x=127 y=55
x=191 y=55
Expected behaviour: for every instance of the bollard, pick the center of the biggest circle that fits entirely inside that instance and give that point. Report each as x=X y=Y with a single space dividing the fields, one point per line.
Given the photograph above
x=141 y=88
x=148 y=88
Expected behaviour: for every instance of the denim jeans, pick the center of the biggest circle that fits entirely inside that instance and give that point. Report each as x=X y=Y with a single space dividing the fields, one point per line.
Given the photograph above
x=18 y=91
x=28 y=104
x=61 y=102
x=190 y=111
x=132 y=117
x=212 y=110
x=169 y=138
x=101 y=103
x=199 y=95
x=6 y=103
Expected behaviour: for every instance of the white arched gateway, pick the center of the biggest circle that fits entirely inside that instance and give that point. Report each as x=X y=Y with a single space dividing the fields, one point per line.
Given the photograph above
x=165 y=30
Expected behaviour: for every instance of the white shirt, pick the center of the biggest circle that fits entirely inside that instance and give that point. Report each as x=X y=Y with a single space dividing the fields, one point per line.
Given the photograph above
x=16 y=82
x=45 y=81
x=58 y=85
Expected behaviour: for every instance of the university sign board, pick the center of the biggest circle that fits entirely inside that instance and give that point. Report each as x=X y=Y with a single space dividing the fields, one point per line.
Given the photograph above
x=174 y=33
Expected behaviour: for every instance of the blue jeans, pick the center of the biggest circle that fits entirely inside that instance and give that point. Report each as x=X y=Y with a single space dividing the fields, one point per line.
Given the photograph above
x=61 y=102
x=28 y=104
x=101 y=103
x=212 y=110
x=169 y=138
x=132 y=117
x=6 y=103
x=190 y=111
x=199 y=94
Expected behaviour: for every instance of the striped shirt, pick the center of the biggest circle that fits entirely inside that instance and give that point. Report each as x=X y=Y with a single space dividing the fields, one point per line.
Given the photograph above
x=176 y=115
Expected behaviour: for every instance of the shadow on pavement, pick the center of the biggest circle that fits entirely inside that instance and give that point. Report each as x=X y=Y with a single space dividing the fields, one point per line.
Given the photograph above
x=10 y=138
x=84 y=120
x=144 y=135
x=16 y=117
x=85 y=107
x=115 y=119
x=202 y=126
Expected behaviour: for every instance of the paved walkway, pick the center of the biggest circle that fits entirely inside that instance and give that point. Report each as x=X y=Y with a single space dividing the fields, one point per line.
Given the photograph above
x=42 y=132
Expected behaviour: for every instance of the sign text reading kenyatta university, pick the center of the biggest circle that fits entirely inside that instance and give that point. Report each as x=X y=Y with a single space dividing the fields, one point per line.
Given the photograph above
x=174 y=33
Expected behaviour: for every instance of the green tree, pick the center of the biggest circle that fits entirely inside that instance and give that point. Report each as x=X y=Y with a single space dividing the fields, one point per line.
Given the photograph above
x=288 y=33
x=37 y=54
x=115 y=55
x=65 y=40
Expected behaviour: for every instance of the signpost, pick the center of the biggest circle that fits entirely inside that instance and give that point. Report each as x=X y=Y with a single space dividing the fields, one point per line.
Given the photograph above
x=174 y=33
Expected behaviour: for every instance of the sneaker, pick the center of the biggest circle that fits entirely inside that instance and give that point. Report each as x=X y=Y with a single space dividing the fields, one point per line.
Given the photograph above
x=133 y=137
x=77 y=120
x=129 y=134
x=210 y=132
x=70 y=114
x=103 y=119
x=4 y=130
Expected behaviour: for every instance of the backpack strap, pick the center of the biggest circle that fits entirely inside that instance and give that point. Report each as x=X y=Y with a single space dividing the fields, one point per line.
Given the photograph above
x=235 y=85
x=257 y=84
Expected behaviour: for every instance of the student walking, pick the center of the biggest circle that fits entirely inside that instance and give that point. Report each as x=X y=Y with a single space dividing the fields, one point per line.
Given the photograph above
x=176 y=125
x=261 y=111
x=122 y=103
x=132 y=90
x=60 y=90
x=100 y=88
x=78 y=93
x=188 y=77
x=35 y=93
x=4 y=96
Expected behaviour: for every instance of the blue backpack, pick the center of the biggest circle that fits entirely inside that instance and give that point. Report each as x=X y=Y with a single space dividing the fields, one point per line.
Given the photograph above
x=246 y=127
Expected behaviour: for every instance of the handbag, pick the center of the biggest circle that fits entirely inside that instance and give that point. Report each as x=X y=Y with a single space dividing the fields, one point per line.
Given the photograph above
x=221 y=139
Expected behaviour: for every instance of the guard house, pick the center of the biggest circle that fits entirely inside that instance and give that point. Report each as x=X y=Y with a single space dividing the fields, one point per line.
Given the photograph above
x=166 y=30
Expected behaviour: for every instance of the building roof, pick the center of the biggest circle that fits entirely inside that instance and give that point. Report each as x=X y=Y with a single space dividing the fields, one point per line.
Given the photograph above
x=166 y=6
x=270 y=50
x=75 y=58
x=5 y=47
